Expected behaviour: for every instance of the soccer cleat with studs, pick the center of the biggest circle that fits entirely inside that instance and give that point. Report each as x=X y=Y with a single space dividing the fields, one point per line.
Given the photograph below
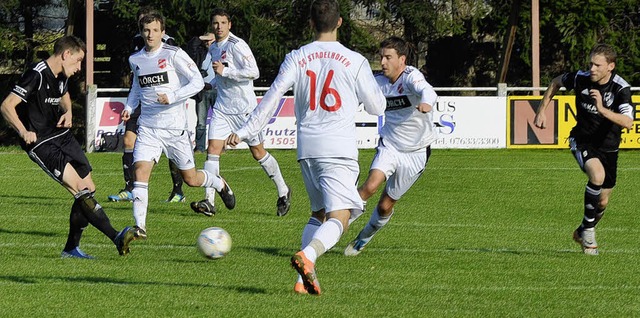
x=76 y=253
x=227 y=196
x=355 y=247
x=176 y=198
x=284 y=204
x=307 y=270
x=204 y=206
x=123 y=195
x=587 y=240
x=123 y=239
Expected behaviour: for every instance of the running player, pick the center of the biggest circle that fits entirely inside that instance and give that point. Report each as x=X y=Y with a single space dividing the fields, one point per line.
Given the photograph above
x=603 y=102
x=39 y=109
x=164 y=77
x=405 y=139
x=235 y=69
x=329 y=82
x=131 y=131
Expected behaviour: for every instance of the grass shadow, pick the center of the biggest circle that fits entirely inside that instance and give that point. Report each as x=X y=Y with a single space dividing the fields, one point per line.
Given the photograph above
x=34 y=233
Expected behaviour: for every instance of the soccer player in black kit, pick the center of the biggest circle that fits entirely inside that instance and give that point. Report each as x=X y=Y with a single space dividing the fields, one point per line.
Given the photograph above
x=603 y=102
x=39 y=109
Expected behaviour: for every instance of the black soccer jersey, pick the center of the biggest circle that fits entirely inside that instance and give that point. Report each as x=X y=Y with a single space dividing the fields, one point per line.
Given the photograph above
x=41 y=92
x=591 y=128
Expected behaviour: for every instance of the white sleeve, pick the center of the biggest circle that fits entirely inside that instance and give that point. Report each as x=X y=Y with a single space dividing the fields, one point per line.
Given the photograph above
x=369 y=92
x=418 y=84
x=186 y=67
x=133 y=99
x=269 y=103
x=247 y=69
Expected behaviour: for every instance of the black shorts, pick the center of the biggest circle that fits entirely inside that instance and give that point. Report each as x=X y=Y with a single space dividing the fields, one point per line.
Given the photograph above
x=609 y=160
x=132 y=123
x=53 y=154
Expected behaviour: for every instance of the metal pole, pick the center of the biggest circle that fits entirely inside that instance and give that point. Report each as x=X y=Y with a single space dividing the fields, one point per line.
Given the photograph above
x=535 y=45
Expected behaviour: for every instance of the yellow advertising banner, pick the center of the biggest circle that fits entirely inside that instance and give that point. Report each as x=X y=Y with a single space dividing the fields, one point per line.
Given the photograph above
x=561 y=117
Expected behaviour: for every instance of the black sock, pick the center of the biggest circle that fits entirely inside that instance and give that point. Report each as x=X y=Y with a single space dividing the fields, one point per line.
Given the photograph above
x=176 y=177
x=127 y=170
x=77 y=224
x=591 y=200
x=94 y=213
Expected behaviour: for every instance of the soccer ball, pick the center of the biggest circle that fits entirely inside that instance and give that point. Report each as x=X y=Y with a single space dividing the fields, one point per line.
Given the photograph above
x=214 y=242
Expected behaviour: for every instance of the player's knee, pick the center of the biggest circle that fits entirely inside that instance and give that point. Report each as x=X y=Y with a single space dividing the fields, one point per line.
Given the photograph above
x=367 y=190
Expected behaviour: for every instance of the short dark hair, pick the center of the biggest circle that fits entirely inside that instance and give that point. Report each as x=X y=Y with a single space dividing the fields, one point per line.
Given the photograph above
x=220 y=12
x=148 y=18
x=396 y=43
x=325 y=15
x=69 y=42
x=144 y=10
x=605 y=50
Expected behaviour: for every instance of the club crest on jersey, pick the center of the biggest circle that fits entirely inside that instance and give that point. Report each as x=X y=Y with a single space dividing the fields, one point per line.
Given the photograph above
x=400 y=89
x=223 y=55
x=156 y=79
x=162 y=63
x=61 y=87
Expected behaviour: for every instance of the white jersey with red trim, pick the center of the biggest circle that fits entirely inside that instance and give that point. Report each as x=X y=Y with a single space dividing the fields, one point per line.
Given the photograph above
x=235 y=85
x=329 y=82
x=168 y=70
x=405 y=127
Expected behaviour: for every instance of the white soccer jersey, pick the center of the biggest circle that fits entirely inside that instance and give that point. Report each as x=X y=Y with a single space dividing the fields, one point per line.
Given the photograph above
x=329 y=82
x=235 y=85
x=405 y=127
x=168 y=70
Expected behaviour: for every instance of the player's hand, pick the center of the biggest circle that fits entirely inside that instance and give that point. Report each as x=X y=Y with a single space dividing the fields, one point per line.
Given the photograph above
x=540 y=120
x=233 y=140
x=163 y=99
x=597 y=99
x=29 y=137
x=65 y=120
x=125 y=116
x=424 y=108
x=218 y=67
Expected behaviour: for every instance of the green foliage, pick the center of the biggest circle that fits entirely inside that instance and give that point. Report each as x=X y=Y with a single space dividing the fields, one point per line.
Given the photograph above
x=483 y=233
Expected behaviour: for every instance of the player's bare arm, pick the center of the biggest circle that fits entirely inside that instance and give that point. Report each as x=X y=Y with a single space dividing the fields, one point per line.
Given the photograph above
x=66 y=118
x=541 y=119
x=11 y=116
x=617 y=118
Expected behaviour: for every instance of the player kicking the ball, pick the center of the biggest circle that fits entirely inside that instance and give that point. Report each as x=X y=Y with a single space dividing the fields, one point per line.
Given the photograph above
x=39 y=109
x=405 y=139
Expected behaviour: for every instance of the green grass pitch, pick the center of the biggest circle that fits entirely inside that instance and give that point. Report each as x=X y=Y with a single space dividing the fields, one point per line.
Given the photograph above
x=484 y=233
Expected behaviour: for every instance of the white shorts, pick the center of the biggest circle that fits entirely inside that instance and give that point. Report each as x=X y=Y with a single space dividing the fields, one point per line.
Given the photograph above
x=222 y=125
x=402 y=169
x=331 y=183
x=175 y=144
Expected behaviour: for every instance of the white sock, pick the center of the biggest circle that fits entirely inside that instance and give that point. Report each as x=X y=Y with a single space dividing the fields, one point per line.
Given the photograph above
x=211 y=181
x=140 y=203
x=326 y=236
x=272 y=169
x=376 y=222
x=212 y=165
x=307 y=234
